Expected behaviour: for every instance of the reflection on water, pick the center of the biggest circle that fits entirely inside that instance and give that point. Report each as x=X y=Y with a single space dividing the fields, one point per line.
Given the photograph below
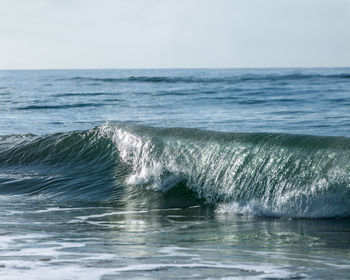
x=43 y=240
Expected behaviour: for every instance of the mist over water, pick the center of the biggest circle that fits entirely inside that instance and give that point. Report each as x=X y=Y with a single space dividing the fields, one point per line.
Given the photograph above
x=109 y=174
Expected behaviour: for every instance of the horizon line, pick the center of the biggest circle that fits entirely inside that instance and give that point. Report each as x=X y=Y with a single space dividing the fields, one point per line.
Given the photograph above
x=172 y=68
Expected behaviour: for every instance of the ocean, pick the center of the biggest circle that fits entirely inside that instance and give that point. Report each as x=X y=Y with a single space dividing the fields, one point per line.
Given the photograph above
x=175 y=174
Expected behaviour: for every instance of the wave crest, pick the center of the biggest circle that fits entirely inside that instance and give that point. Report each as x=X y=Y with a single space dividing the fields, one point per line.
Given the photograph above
x=258 y=173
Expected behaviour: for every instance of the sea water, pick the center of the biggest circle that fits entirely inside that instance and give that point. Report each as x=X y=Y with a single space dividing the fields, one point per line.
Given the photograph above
x=177 y=174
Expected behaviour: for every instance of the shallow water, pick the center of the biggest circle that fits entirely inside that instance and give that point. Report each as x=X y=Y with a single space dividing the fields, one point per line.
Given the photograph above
x=50 y=240
x=89 y=189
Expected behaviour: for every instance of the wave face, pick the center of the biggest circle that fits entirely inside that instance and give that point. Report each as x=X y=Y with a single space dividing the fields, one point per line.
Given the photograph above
x=243 y=173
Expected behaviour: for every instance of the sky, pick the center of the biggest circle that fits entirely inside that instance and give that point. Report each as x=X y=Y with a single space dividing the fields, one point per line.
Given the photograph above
x=64 y=34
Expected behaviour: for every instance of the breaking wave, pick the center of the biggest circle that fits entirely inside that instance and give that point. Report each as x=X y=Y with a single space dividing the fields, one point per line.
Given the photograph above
x=242 y=173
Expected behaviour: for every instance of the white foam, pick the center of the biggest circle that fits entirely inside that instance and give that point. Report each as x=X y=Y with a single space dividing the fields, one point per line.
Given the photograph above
x=111 y=214
x=54 y=209
x=6 y=239
x=265 y=271
x=322 y=206
x=44 y=271
x=175 y=251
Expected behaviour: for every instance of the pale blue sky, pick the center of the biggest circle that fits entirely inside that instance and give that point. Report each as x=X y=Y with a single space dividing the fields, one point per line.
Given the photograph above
x=174 y=33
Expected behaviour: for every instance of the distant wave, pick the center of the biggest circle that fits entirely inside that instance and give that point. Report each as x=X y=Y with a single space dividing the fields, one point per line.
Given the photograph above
x=224 y=79
x=149 y=79
x=88 y=94
x=242 y=173
x=64 y=106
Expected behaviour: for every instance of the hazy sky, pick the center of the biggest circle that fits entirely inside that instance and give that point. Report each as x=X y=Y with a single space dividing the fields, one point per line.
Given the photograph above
x=174 y=33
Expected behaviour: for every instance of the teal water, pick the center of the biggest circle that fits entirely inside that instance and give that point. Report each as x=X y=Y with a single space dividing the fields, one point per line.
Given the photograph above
x=147 y=174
